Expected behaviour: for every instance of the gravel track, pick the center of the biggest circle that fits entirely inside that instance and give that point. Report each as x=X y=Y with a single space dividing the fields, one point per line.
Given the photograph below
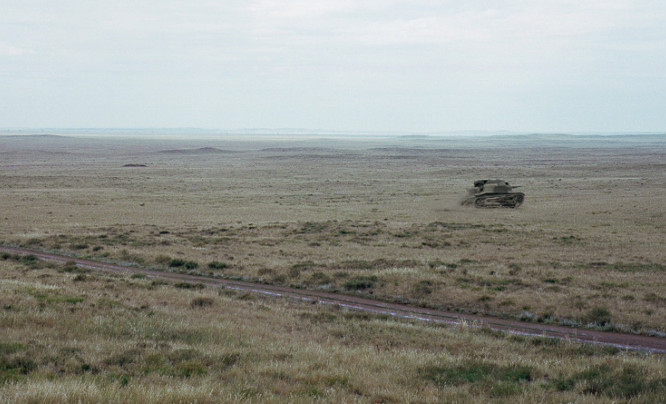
x=624 y=341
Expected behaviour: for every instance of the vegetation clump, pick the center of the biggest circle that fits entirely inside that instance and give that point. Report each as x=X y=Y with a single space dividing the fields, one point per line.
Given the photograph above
x=599 y=316
x=360 y=282
x=189 y=285
x=625 y=382
x=497 y=380
x=217 y=265
x=202 y=301
x=178 y=263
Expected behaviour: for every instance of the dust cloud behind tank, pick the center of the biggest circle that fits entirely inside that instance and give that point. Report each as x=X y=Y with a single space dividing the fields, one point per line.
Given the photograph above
x=493 y=194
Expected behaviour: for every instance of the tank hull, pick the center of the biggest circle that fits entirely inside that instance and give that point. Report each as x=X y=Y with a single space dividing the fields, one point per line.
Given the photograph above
x=499 y=200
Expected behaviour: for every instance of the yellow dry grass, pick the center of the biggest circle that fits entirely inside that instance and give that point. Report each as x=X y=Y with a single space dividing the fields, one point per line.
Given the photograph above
x=319 y=213
x=375 y=217
x=70 y=335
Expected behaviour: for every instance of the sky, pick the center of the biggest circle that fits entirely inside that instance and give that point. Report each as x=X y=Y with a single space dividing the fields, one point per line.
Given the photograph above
x=348 y=65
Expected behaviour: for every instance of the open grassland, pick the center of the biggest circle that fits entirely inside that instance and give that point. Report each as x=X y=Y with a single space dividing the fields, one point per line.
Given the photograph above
x=374 y=217
x=71 y=335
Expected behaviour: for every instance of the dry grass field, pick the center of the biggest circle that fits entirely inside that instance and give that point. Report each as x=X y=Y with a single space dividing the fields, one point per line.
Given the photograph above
x=73 y=336
x=371 y=216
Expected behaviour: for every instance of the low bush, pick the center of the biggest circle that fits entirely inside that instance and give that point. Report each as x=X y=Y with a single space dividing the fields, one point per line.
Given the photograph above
x=360 y=282
x=189 y=285
x=176 y=263
x=217 y=265
x=191 y=265
x=598 y=315
x=29 y=259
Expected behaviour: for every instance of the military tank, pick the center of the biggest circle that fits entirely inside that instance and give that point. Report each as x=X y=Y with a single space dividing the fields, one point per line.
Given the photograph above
x=493 y=194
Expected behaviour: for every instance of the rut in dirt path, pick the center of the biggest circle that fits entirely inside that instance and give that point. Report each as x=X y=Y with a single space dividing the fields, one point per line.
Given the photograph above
x=624 y=341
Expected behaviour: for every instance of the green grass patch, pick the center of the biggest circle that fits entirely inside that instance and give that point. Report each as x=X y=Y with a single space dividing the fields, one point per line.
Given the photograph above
x=217 y=265
x=189 y=285
x=360 y=282
x=11 y=347
x=620 y=383
x=497 y=380
x=179 y=263
x=14 y=368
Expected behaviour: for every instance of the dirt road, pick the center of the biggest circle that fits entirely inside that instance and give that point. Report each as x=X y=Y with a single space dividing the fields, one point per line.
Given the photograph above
x=624 y=341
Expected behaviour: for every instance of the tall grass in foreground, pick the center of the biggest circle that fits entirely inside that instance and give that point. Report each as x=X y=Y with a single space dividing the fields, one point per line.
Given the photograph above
x=122 y=339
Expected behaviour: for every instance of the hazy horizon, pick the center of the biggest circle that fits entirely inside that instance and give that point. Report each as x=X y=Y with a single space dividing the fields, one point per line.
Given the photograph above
x=301 y=134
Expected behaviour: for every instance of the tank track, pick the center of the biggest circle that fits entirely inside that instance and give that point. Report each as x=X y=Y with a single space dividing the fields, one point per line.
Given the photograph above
x=510 y=200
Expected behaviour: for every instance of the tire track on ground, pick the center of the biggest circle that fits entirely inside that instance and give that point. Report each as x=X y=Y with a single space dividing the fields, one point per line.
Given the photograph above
x=624 y=341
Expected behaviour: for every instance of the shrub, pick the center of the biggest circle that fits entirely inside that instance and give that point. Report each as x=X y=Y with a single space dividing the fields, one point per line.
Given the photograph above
x=176 y=263
x=217 y=265
x=29 y=259
x=360 y=282
x=598 y=315
x=71 y=267
x=189 y=285
x=191 y=265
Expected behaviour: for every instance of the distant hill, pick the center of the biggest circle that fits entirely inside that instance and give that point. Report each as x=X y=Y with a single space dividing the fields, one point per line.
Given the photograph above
x=201 y=150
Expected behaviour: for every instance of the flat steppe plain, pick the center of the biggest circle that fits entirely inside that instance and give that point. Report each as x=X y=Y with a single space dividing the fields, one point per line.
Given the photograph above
x=374 y=216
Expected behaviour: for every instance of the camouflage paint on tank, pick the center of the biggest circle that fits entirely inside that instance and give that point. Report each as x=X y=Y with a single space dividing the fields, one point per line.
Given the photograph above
x=493 y=194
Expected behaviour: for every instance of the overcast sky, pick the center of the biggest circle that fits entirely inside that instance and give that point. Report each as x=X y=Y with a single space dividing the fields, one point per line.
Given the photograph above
x=373 y=65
